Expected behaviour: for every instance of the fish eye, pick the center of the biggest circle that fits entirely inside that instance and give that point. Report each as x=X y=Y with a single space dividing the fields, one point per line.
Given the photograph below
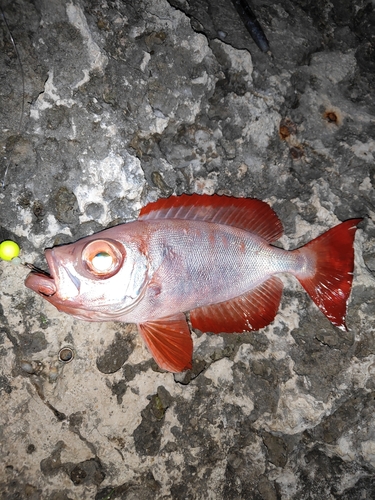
x=103 y=258
x=102 y=262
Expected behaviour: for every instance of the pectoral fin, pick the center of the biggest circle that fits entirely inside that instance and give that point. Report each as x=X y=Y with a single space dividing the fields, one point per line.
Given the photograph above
x=169 y=341
x=251 y=311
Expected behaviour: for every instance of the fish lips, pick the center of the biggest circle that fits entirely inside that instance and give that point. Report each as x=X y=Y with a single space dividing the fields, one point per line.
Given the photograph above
x=42 y=282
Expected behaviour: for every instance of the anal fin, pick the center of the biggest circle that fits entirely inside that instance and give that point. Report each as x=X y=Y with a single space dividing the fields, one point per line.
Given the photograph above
x=251 y=311
x=169 y=341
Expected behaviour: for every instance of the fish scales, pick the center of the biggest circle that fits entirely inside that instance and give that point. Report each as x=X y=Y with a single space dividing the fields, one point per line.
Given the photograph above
x=212 y=263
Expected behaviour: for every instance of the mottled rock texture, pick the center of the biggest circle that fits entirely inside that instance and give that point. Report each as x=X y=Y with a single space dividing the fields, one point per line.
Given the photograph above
x=129 y=101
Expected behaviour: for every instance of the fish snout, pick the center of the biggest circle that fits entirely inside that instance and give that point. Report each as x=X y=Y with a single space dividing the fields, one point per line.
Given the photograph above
x=42 y=284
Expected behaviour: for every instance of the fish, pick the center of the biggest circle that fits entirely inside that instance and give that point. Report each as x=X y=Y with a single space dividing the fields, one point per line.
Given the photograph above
x=211 y=256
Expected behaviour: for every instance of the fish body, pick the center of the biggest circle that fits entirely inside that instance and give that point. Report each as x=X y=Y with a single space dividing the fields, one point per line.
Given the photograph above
x=210 y=255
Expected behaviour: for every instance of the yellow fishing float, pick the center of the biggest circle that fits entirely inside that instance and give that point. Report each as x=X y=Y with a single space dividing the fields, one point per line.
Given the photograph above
x=9 y=250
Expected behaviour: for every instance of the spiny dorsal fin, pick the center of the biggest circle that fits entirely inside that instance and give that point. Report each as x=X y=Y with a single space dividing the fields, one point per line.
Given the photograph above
x=245 y=213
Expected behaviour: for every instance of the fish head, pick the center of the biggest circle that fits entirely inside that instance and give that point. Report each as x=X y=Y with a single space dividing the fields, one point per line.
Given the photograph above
x=94 y=278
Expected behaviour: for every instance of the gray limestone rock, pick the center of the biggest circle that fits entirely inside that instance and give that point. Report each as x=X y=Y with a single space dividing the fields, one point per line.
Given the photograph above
x=128 y=101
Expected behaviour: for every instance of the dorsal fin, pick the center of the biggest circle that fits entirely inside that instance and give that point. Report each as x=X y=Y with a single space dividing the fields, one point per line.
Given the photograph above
x=245 y=213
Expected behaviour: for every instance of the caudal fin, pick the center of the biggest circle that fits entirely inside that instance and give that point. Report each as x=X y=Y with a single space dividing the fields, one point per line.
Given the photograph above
x=330 y=286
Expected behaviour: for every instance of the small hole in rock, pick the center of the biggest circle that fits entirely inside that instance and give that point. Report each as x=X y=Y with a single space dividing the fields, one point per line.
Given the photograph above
x=66 y=354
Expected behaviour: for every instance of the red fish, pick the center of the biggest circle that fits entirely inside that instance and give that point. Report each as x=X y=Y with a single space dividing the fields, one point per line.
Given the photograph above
x=210 y=255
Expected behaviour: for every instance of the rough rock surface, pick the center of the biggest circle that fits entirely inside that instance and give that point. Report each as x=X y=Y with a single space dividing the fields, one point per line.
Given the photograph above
x=129 y=101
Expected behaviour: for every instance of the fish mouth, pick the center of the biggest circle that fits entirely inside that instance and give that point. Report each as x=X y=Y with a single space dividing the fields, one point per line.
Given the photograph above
x=40 y=281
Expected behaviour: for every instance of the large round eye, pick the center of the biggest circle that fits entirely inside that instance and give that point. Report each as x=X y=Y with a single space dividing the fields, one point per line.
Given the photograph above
x=102 y=257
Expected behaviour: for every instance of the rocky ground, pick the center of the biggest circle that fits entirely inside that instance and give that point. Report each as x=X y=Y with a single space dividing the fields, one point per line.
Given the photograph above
x=128 y=101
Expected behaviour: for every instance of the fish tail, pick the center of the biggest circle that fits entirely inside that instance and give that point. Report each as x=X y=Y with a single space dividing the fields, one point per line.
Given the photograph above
x=329 y=279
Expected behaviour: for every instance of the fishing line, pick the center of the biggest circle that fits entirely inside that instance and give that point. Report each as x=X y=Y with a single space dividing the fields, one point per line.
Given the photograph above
x=251 y=23
x=36 y=269
x=23 y=91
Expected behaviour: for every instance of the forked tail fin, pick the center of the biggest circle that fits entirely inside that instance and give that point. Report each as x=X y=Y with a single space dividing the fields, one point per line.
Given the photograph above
x=330 y=285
